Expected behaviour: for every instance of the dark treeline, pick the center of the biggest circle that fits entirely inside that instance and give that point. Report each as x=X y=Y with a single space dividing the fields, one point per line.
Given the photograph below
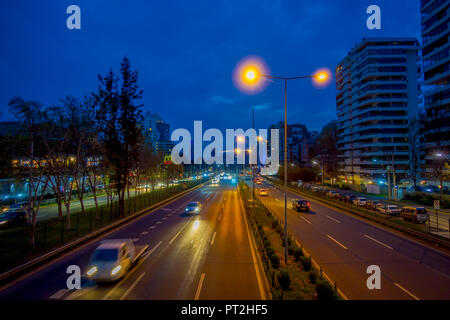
x=94 y=143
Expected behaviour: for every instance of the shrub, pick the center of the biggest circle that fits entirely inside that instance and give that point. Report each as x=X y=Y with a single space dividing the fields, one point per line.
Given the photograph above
x=270 y=251
x=312 y=277
x=298 y=253
x=274 y=260
x=291 y=249
x=306 y=263
x=284 y=280
x=325 y=291
x=279 y=229
x=275 y=224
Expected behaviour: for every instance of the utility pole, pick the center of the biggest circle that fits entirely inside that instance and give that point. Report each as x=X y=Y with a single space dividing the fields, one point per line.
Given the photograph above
x=251 y=165
x=394 y=178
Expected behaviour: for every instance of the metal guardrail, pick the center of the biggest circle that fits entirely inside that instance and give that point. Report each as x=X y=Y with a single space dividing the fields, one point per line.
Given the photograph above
x=15 y=273
x=432 y=239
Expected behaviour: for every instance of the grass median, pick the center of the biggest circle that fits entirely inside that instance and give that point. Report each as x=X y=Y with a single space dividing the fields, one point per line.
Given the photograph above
x=294 y=280
x=15 y=247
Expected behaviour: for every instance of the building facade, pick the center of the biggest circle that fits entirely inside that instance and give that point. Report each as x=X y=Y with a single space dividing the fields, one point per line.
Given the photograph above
x=436 y=70
x=157 y=133
x=299 y=142
x=376 y=95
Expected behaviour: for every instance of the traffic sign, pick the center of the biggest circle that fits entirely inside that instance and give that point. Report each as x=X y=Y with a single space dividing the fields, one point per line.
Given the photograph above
x=436 y=204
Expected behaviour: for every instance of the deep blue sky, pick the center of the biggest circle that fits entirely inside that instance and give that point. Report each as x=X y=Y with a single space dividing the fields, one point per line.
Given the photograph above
x=185 y=52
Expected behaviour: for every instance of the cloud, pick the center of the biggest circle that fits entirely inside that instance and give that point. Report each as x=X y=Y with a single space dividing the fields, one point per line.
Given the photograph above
x=263 y=106
x=220 y=99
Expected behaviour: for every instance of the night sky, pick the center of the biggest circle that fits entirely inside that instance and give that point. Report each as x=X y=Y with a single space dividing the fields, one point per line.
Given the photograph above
x=185 y=52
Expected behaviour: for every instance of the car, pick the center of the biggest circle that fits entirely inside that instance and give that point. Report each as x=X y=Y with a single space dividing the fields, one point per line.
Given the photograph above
x=415 y=214
x=3 y=209
x=300 y=205
x=193 y=208
x=263 y=192
x=389 y=209
x=17 y=206
x=258 y=182
x=13 y=218
x=112 y=259
x=349 y=198
x=360 y=201
x=372 y=204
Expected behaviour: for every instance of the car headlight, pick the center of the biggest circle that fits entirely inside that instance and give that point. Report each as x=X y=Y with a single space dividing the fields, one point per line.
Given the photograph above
x=116 y=269
x=92 y=271
x=196 y=209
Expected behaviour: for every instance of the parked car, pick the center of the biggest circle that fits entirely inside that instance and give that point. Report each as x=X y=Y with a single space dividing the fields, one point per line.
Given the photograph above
x=263 y=192
x=389 y=209
x=349 y=198
x=372 y=204
x=13 y=218
x=300 y=205
x=415 y=214
x=359 y=201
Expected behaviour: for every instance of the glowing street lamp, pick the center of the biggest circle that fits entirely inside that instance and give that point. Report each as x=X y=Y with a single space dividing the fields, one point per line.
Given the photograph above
x=249 y=77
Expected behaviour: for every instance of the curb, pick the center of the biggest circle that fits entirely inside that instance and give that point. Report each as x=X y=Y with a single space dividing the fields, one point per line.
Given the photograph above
x=15 y=273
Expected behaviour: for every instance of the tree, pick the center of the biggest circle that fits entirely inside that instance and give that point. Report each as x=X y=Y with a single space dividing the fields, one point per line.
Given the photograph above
x=121 y=116
x=327 y=149
x=30 y=115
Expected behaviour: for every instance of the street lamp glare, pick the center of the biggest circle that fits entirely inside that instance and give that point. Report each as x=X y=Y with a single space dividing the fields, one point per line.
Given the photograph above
x=322 y=76
x=251 y=75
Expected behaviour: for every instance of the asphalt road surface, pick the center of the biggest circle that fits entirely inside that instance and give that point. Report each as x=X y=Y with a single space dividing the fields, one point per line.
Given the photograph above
x=207 y=256
x=346 y=245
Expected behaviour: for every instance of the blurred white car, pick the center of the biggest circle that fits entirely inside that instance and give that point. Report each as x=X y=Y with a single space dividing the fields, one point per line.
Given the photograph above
x=112 y=259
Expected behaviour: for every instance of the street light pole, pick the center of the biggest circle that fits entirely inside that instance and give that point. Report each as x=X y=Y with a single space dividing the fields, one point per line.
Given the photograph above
x=250 y=77
x=285 y=174
x=285 y=80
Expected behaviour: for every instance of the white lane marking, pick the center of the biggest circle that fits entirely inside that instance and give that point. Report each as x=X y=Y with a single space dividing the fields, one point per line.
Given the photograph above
x=132 y=286
x=276 y=199
x=78 y=293
x=163 y=218
x=213 y=238
x=200 y=285
x=169 y=214
x=58 y=294
x=379 y=242
x=174 y=237
x=135 y=239
x=305 y=219
x=144 y=233
x=252 y=249
x=335 y=220
x=413 y=296
x=152 y=227
x=158 y=222
x=219 y=217
x=337 y=242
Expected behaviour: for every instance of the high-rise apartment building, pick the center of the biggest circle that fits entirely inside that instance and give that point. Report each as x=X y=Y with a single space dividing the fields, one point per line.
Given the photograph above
x=436 y=69
x=377 y=93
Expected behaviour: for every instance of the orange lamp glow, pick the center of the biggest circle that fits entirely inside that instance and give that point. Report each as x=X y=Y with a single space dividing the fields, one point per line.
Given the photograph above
x=247 y=75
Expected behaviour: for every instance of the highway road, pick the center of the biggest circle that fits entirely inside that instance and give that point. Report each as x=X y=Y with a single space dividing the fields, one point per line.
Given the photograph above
x=346 y=245
x=208 y=256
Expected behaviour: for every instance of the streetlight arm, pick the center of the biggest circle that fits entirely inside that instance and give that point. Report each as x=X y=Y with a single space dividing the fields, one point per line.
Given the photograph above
x=285 y=78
